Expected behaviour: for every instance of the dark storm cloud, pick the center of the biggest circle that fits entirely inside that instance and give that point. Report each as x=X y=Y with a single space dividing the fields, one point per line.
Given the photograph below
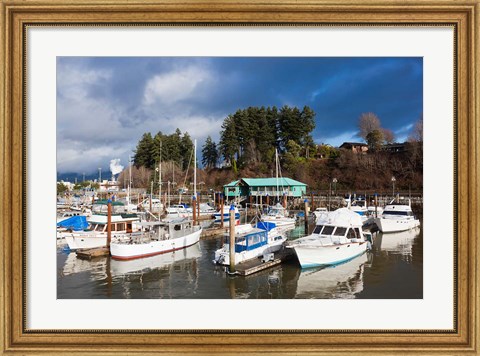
x=105 y=101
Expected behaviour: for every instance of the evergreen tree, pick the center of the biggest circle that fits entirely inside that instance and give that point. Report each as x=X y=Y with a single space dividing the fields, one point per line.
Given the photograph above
x=209 y=153
x=143 y=153
x=186 y=149
x=228 y=142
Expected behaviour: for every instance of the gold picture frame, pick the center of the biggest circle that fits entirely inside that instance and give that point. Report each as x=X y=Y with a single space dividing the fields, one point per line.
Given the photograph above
x=18 y=15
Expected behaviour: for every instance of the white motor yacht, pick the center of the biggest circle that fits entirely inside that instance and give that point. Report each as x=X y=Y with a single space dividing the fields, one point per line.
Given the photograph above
x=337 y=237
x=396 y=217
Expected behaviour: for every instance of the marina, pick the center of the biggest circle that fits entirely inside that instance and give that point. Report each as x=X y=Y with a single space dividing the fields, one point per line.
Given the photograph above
x=268 y=194
x=392 y=269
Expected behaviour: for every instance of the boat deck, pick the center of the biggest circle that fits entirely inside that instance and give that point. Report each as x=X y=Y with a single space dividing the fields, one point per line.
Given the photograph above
x=256 y=264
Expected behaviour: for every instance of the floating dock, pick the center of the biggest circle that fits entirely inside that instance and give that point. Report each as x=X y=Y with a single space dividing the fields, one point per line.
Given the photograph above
x=88 y=254
x=213 y=232
x=257 y=264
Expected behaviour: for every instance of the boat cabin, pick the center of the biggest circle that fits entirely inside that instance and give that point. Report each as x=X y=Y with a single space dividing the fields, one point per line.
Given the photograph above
x=351 y=233
x=255 y=238
x=125 y=226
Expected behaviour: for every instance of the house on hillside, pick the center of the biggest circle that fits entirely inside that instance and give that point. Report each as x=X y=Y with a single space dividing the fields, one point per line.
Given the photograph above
x=261 y=188
x=355 y=147
x=395 y=147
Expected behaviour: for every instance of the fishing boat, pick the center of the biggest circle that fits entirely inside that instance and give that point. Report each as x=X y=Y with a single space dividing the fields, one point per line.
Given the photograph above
x=225 y=214
x=397 y=216
x=95 y=235
x=338 y=237
x=157 y=237
x=280 y=216
x=251 y=241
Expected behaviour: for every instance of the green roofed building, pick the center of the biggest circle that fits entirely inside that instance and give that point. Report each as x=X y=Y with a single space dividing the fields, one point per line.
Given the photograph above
x=262 y=187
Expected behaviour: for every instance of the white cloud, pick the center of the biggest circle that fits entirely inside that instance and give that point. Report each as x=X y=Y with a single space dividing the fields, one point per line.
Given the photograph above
x=74 y=156
x=349 y=136
x=169 y=88
x=73 y=82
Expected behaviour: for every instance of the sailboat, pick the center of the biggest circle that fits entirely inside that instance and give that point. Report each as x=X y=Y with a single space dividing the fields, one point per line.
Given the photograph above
x=278 y=214
x=159 y=237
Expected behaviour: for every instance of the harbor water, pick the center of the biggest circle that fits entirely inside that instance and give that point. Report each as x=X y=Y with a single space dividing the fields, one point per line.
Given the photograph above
x=392 y=270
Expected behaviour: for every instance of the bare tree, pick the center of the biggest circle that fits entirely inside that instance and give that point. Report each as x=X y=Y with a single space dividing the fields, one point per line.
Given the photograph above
x=367 y=123
x=388 y=136
x=140 y=177
x=417 y=132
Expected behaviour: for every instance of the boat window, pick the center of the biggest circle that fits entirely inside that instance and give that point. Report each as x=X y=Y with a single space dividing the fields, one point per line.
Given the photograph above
x=340 y=231
x=99 y=227
x=317 y=229
x=177 y=228
x=357 y=231
x=327 y=230
x=241 y=241
x=120 y=226
x=391 y=212
x=351 y=234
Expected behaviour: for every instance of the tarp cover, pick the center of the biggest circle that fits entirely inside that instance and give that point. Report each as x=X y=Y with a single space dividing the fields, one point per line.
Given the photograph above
x=264 y=225
x=75 y=223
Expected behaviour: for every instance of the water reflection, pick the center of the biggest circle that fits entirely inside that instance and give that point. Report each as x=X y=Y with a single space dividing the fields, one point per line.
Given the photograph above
x=340 y=281
x=399 y=243
x=394 y=269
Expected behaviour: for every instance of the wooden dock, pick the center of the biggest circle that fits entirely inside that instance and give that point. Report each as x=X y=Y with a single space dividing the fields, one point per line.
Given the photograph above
x=88 y=254
x=213 y=232
x=257 y=265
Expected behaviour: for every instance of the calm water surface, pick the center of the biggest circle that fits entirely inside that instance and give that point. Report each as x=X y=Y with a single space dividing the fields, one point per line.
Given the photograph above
x=394 y=269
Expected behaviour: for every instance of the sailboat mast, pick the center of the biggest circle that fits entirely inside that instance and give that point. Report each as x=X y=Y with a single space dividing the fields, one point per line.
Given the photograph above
x=195 y=168
x=276 y=171
x=129 y=182
x=160 y=179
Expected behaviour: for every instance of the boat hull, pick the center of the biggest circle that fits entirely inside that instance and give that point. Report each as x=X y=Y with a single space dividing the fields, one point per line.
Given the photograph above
x=226 y=217
x=222 y=257
x=122 y=251
x=396 y=225
x=317 y=256
x=77 y=241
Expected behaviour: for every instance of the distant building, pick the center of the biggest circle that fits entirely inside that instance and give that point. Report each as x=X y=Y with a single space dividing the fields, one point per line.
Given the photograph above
x=355 y=147
x=109 y=185
x=395 y=147
x=262 y=187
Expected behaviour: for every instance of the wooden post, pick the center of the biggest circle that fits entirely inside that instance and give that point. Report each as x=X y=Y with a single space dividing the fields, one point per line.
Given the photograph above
x=221 y=210
x=268 y=201
x=109 y=223
x=232 y=239
x=198 y=207
x=313 y=202
x=307 y=211
x=151 y=194
x=194 y=209
x=376 y=204
x=284 y=200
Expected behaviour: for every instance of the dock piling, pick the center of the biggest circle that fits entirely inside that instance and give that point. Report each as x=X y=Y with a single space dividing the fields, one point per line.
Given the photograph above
x=232 y=239
x=109 y=223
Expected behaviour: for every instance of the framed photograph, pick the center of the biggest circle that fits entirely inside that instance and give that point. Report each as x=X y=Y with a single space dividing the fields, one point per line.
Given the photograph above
x=239 y=178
